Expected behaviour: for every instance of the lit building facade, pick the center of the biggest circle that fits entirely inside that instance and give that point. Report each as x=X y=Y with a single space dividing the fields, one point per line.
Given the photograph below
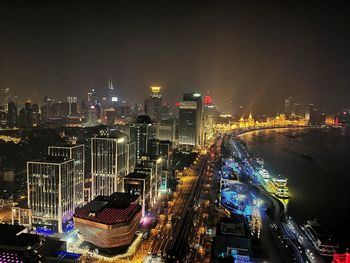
x=153 y=105
x=109 y=163
x=141 y=132
x=279 y=120
x=166 y=130
x=77 y=153
x=51 y=193
x=109 y=222
x=190 y=120
x=139 y=183
x=72 y=106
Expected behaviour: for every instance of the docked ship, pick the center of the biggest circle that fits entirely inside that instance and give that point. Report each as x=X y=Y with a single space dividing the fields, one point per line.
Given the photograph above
x=320 y=239
x=279 y=187
x=264 y=173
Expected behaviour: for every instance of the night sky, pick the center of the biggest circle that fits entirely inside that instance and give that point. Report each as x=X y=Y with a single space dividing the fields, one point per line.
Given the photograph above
x=254 y=53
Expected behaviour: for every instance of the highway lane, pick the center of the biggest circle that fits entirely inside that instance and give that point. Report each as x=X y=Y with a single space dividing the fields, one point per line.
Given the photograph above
x=181 y=246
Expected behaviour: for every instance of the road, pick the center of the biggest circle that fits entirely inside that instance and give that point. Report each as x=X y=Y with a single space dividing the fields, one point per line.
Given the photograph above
x=172 y=230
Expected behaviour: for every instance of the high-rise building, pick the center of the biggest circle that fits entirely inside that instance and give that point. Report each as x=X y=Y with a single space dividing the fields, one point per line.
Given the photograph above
x=141 y=132
x=60 y=109
x=92 y=97
x=51 y=193
x=4 y=97
x=72 y=105
x=208 y=118
x=26 y=117
x=110 y=115
x=36 y=115
x=166 y=130
x=190 y=119
x=77 y=153
x=296 y=110
x=109 y=163
x=12 y=115
x=153 y=166
x=288 y=103
x=153 y=105
x=112 y=99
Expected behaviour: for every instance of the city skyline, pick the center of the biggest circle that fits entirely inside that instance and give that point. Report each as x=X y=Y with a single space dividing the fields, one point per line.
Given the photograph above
x=174 y=132
x=241 y=52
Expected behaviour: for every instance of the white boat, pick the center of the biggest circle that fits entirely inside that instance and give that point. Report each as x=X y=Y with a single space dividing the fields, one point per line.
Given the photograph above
x=264 y=173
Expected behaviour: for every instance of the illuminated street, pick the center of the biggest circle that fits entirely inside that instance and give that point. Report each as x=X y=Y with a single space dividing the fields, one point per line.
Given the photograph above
x=174 y=132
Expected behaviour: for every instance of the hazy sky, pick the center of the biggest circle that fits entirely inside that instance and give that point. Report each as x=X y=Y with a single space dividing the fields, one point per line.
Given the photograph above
x=253 y=53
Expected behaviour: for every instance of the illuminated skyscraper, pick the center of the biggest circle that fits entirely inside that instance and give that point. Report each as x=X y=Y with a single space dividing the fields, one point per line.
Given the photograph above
x=4 y=98
x=12 y=115
x=288 y=104
x=153 y=105
x=190 y=119
x=77 y=153
x=112 y=96
x=50 y=184
x=72 y=105
x=141 y=132
x=92 y=97
x=111 y=159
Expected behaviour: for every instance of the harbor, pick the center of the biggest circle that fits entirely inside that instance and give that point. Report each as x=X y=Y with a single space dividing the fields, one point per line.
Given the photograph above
x=249 y=189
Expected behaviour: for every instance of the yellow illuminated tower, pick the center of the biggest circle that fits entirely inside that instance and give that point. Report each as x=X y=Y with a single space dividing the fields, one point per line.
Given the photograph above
x=153 y=104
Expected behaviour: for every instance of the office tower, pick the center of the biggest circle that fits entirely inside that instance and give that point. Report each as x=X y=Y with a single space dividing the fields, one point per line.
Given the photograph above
x=296 y=110
x=153 y=166
x=190 y=119
x=288 y=107
x=25 y=118
x=145 y=181
x=136 y=110
x=50 y=184
x=46 y=108
x=4 y=98
x=153 y=105
x=109 y=163
x=208 y=118
x=112 y=99
x=72 y=105
x=3 y=118
x=60 y=109
x=77 y=153
x=92 y=118
x=12 y=115
x=110 y=116
x=123 y=111
x=165 y=151
x=131 y=156
x=92 y=98
x=36 y=115
x=166 y=130
x=141 y=132
x=22 y=119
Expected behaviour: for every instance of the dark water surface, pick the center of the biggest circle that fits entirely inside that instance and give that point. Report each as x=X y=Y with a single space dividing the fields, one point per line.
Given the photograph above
x=319 y=183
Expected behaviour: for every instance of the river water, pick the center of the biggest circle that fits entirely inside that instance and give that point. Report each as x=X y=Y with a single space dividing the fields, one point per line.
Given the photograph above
x=319 y=183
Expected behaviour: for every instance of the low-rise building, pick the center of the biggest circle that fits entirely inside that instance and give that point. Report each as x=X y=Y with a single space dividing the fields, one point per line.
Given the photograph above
x=109 y=223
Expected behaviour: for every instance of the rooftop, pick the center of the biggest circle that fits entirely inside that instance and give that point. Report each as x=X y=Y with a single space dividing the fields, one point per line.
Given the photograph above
x=143 y=119
x=232 y=227
x=66 y=145
x=135 y=175
x=14 y=236
x=51 y=159
x=114 y=209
